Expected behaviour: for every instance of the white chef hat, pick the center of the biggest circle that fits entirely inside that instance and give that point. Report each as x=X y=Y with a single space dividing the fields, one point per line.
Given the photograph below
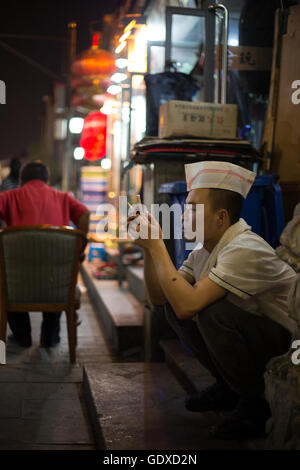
x=221 y=175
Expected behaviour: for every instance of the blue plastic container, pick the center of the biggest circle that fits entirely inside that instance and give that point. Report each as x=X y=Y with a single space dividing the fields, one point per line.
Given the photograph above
x=97 y=250
x=262 y=209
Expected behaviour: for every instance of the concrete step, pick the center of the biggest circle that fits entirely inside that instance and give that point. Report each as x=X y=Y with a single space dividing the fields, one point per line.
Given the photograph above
x=188 y=370
x=135 y=277
x=194 y=377
x=140 y=406
x=120 y=313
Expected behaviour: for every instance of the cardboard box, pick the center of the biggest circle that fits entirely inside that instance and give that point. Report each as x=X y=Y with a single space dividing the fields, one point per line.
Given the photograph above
x=197 y=119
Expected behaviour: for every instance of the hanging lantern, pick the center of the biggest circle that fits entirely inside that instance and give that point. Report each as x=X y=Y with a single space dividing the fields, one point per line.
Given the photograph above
x=94 y=62
x=78 y=83
x=93 y=137
x=91 y=71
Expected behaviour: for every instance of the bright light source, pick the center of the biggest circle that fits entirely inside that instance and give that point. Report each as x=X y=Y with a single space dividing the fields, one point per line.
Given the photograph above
x=137 y=80
x=79 y=153
x=125 y=113
x=233 y=42
x=137 y=51
x=130 y=26
x=125 y=36
x=120 y=47
x=118 y=77
x=114 y=89
x=110 y=107
x=157 y=32
x=121 y=63
x=76 y=125
x=106 y=163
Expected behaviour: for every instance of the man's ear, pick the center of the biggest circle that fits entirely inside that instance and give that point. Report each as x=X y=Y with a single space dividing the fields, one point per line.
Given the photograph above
x=223 y=216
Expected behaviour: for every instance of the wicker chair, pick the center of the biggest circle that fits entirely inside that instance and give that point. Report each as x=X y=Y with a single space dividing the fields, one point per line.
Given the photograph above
x=38 y=272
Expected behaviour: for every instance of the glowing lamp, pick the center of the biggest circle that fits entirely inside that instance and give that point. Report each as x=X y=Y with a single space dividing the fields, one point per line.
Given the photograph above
x=78 y=153
x=75 y=125
x=114 y=89
x=106 y=164
x=94 y=62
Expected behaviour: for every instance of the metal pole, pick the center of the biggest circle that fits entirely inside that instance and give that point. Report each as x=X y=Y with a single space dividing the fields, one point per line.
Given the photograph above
x=67 y=163
x=168 y=57
x=209 y=48
x=225 y=47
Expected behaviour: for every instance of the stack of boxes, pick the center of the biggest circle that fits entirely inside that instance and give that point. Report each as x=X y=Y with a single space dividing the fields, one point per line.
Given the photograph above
x=94 y=186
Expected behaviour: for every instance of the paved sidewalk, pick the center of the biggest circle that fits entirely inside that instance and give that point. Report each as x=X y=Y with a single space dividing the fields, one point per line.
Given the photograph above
x=41 y=405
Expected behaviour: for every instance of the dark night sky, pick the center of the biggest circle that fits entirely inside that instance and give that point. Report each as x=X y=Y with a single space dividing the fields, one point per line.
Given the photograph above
x=25 y=85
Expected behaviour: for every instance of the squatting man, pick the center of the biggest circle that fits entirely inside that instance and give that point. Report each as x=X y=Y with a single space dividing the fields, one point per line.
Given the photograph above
x=227 y=302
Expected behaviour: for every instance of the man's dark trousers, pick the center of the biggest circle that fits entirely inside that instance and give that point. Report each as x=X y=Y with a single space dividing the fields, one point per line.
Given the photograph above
x=19 y=323
x=233 y=344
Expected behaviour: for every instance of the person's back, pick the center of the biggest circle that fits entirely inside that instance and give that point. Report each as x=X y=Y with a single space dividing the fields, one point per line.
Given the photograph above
x=36 y=203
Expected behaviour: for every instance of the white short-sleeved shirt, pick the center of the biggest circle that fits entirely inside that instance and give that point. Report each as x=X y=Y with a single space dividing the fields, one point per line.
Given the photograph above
x=256 y=279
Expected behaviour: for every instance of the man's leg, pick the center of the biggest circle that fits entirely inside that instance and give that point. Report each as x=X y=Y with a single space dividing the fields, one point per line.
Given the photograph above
x=158 y=329
x=189 y=334
x=217 y=396
x=50 y=329
x=240 y=345
x=19 y=323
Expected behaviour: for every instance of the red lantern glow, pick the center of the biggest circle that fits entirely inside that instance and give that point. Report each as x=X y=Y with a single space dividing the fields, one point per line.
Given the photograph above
x=93 y=137
x=94 y=62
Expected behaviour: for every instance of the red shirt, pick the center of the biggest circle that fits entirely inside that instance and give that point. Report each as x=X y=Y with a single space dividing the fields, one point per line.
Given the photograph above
x=36 y=203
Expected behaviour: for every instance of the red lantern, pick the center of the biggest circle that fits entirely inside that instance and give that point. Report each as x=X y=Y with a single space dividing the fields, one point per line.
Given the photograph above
x=93 y=137
x=91 y=71
x=78 y=83
x=94 y=62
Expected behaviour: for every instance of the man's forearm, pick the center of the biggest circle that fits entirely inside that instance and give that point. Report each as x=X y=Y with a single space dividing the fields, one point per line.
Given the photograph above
x=185 y=299
x=84 y=221
x=174 y=287
x=155 y=291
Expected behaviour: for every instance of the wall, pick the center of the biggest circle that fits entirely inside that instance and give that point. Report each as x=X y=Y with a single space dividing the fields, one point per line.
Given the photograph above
x=286 y=155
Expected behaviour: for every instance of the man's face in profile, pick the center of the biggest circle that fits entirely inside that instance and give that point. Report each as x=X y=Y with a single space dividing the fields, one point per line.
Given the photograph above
x=201 y=196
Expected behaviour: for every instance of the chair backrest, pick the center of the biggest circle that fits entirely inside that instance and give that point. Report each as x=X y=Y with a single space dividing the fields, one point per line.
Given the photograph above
x=39 y=264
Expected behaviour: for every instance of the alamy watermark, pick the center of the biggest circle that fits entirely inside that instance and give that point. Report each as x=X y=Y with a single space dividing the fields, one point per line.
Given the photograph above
x=2 y=92
x=178 y=222
x=2 y=352
x=295 y=358
x=296 y=94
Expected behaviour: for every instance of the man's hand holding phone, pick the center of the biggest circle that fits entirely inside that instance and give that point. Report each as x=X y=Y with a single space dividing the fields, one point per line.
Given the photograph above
x=143 y=227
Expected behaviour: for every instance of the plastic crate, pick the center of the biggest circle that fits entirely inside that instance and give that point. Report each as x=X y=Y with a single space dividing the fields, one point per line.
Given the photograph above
x=97 y=251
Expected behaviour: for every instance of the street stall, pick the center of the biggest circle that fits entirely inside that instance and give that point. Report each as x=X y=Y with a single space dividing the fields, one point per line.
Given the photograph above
x=191 y=85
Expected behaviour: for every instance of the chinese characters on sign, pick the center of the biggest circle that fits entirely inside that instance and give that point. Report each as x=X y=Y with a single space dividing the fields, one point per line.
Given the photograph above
x=194 y=117
x=246 y=58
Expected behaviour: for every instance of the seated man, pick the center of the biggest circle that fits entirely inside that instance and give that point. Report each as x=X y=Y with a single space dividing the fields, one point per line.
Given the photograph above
x=36 y=203
x=228 y=301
